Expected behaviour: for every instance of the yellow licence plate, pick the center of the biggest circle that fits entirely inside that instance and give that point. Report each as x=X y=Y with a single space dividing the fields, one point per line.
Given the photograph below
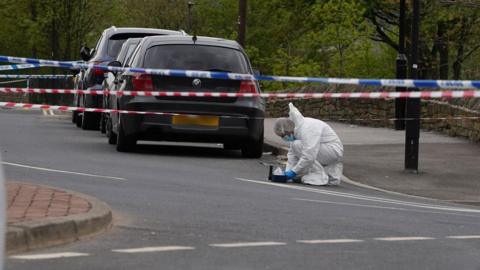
x=195 y=120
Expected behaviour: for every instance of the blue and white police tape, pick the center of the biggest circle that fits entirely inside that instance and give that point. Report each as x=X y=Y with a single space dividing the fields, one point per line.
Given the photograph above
x=15 y=67
x=28 y=76
x=446 y=84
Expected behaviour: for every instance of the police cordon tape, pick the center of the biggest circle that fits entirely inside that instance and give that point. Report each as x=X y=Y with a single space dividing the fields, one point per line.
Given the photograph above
x=39 y=76
x=446 y=84
x=366 y=95
x=15 y=67
x=29 y=106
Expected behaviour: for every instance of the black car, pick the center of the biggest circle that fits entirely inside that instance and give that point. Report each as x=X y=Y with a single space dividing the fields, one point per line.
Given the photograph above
x=106 y=50
x=124 y=55
x=235 y=122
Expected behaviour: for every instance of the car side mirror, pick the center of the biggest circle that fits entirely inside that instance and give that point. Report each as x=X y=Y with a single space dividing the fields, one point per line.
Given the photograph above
x=256 y=72
x=115 y=64
x=85 y=53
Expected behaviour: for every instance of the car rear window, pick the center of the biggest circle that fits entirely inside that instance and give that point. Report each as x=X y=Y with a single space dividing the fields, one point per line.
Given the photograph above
x=116 y=41
x=196 y=57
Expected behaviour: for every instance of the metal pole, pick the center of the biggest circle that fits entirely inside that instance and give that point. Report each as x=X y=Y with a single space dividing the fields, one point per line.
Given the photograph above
x=190 y=5
x=242 y=15
x=401 y=69
x=412 y=133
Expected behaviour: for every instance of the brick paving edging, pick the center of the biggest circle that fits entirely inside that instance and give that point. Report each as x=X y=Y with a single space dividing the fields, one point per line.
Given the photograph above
x=41 y=216
x=26 y=202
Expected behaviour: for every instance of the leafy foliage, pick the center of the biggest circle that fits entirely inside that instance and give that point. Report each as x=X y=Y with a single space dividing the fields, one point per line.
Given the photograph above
x=347 y=38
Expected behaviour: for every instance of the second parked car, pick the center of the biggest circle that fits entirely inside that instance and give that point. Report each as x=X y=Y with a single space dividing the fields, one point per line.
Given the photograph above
x=106 y=50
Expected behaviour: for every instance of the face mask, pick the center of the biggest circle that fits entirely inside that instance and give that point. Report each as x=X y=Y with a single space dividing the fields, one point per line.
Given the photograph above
x=289 y=138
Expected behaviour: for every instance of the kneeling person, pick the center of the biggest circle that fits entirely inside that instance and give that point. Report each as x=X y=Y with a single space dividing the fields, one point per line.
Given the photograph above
x=315 y=153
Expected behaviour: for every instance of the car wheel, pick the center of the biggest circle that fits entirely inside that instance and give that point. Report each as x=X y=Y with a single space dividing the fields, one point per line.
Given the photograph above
x=74 y=117
x=253 y=149
x=90 y=121
x=125 y=143
x=112 y=137
x=79 y=120
x=103 y=121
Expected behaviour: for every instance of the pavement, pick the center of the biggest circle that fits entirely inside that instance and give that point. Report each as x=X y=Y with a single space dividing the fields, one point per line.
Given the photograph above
x=41 y=216
x=374 y=158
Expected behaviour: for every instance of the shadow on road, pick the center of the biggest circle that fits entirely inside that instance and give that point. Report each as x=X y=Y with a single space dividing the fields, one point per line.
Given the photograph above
x=187 y=151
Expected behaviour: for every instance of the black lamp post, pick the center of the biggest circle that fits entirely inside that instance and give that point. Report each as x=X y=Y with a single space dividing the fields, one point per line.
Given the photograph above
x=242 y=20
x=401 y=70
x=412 y=133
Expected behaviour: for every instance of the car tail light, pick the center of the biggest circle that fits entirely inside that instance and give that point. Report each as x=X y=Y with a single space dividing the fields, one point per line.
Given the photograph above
x=142 y=82
x=98 y=72
x=248 y=87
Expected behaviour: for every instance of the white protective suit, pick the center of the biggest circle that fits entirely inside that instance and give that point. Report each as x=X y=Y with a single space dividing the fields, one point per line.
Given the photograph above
x=316 y=154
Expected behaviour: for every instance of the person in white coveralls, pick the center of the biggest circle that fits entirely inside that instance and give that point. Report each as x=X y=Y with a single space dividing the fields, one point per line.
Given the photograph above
x=315 y=153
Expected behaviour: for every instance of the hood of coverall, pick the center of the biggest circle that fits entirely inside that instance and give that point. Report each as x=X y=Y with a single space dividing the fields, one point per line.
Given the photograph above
x=296 y=116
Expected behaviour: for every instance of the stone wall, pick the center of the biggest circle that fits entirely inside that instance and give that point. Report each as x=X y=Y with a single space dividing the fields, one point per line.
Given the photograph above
x=12 y=97
x=379 y=113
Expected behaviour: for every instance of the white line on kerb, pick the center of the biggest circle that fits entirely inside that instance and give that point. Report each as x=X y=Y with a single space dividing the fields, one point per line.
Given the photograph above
x=49 y=256
x=411 y=238
x=385 y=207
x=153 y=249
x=464 y=237
x=60 y=171
x=362 y=197
x=248 y=244
x=329 y=241
x=349 y=204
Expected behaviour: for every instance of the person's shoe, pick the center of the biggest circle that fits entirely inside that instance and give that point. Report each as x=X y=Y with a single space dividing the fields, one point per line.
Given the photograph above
x=333 y=181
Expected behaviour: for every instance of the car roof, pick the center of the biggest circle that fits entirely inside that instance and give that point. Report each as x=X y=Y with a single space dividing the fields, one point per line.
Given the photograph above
x=133 y=40
x=201 y=40
x=125 y=30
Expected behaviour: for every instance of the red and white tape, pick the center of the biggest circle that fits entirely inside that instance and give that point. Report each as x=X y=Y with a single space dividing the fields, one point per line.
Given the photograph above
x=365 y=95
x=29 y=106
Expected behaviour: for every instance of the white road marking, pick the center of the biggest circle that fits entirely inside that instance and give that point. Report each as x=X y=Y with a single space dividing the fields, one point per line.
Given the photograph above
x=385 y=207
x=411 y=238
x=49 y=256
x=464 y=237
x=60 y=171
x=361 y=197
x=349 y=204
x=329 y=241
x=248 y=244
x=44 y=112
x=153 y=249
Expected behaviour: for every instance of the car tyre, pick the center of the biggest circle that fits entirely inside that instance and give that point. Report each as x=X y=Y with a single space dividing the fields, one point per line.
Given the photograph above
x=74 y=117
x=253 y=149
x=103 y=123
x=90 y=121
x=112 y=137
x=79 y=120
x=125 y=143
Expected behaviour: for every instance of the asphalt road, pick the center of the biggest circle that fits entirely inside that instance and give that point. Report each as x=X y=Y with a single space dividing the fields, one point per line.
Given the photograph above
x=200 y=207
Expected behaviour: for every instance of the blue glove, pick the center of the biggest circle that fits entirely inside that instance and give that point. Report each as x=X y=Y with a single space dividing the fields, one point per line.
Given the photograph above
x=290 y=174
